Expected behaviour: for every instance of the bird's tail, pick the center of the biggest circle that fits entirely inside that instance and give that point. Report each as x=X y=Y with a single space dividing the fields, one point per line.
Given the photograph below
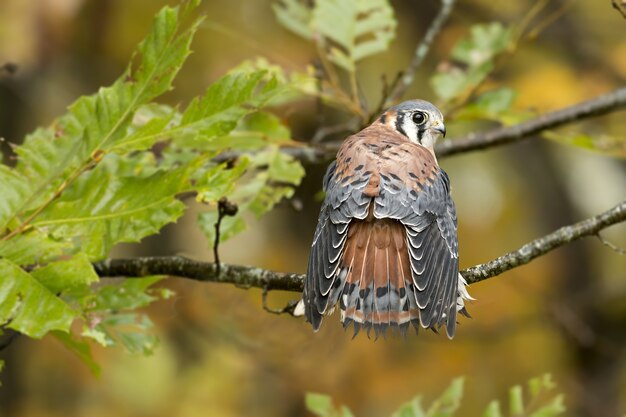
x=378 y=291
x=374 y=285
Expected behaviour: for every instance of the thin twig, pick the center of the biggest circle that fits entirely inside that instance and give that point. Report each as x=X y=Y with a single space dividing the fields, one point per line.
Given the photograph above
x=620 y=6
x=610 y=244
x=408 y=75
x=247 y=276
x=8 y=340
x=224 y=208
x=601 y=105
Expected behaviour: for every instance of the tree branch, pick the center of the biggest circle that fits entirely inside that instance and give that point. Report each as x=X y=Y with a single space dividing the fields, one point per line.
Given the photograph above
x=589 y=227
x=246 y=276
x=408 y=75
x=607 y=103
x=604 y=104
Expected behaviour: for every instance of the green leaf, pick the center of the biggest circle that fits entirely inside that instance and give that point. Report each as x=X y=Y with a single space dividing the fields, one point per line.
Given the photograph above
x=110 y=319
x=516 y=401
x=28 y=306
x=33 y=247
x=361 y=28
x=476 y=54
x=352 y=29
x=272 y=177
x=492 y=105
x=447 y=404
x=295 y=16
x=602 y=143
x=412 y=408
x=68 y=274
x=493 y=410
x=79 y=348
x=51 y=158
x=129 y=294
x=220 y=181
x=485 y=41
x=553 y=408
x=322 y=406
x=102 y=209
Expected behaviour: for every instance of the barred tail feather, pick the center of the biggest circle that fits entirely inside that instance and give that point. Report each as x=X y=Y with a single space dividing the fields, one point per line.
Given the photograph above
x=378 y=292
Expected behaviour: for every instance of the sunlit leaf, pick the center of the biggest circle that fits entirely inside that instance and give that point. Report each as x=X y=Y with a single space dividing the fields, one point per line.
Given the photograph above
x=294 y=15
x=50 y=157
x=80 y=348
x=352 y=29
x=603 y=143
x=66 y=274
x=412 y=408
x=516 y=401
x=322 y=406
x=449 y=402
x=475 y=54
x=491 y=105
x=28 y=306
x=32 y=247
x=103 y=209
x=493 y=410
x=272 y=177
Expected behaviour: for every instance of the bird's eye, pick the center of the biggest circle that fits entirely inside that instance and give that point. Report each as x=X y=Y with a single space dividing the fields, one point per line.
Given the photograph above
x=419 y=118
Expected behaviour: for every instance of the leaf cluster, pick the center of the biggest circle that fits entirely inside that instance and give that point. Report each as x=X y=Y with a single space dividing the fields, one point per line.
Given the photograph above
x=542 y=402
x=93 y=179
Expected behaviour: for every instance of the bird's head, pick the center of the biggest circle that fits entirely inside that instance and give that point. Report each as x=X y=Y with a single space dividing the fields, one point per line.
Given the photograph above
x=420 y=121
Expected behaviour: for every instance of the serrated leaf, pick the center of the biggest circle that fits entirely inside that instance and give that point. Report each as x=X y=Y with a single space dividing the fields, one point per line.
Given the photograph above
x=110 y=319
x=29 y=307
x=51 y=157
x=276 y=175
x=360 y=28
x=218 y=181
x=129 y=294
x=67 y=274
x=33 y=247
x=352 y=29
x=102 y=209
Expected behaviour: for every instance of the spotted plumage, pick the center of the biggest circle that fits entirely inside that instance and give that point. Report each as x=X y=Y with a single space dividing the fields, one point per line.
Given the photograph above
x=385 y=248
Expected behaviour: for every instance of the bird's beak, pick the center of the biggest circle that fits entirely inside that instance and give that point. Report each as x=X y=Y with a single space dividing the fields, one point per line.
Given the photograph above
x=441 y=128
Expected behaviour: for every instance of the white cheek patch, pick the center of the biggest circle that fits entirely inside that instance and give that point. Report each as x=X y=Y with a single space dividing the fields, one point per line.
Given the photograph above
x=428 y=139
x=410 y=129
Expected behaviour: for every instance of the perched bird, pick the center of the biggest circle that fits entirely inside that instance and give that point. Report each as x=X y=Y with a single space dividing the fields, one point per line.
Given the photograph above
x=385 y=247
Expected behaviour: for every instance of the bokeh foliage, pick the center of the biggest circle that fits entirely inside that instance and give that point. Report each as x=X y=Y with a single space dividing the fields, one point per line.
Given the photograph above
x=117 y=166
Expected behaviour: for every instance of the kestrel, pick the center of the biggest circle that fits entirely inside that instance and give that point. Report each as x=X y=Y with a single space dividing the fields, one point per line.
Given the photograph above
x=385 y=247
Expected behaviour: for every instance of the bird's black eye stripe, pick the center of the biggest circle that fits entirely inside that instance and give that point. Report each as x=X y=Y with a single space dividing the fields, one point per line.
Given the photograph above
x=419 y=118
x=399 y=123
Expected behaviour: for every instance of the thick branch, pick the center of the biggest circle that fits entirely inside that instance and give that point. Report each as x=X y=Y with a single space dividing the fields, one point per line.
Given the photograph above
x=598 y=106
x=245 y=276
x=408 y=75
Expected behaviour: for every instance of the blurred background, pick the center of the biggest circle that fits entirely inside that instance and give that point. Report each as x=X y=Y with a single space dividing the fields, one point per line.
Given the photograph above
x=221 y=355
